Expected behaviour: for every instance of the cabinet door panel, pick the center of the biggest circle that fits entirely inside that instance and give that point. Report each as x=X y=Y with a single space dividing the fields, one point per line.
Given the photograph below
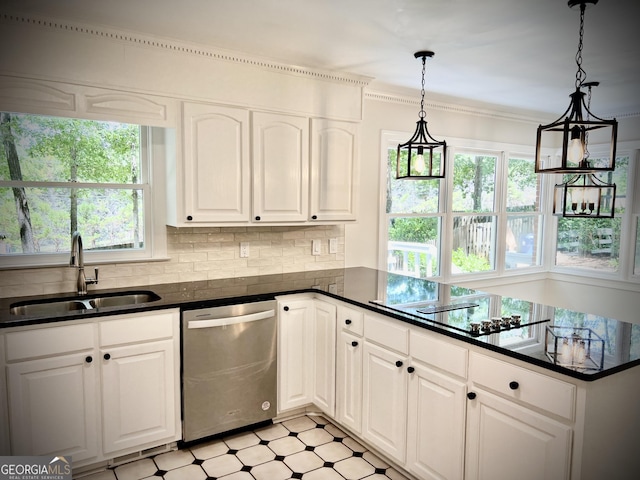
x=349 y=381
x=324 y=334
x=295 y=365
x=435 y=446
x=507 y=441
x=384 y=413
x=138 y=394
x=217 y=172
x=333 y=170
x=51 y=407
x=280 y=167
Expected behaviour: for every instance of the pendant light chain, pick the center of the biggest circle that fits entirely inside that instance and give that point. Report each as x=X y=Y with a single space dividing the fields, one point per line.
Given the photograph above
x=581 y=75
x=422 y=156
x=424 y=68
x=586 y=135
x=574 y=126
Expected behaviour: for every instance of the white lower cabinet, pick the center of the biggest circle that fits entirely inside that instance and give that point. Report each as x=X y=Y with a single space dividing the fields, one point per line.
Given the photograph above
x=294 y=347
x=324 y=357
x=519 y=423
x=349 y=381
x=384 y=400
x=443 y=409
x=306 y=353
x=52 y=406
x=5 y=449
x=70 y=394
x=137 y=394
x=507 y=441
x=436 y=424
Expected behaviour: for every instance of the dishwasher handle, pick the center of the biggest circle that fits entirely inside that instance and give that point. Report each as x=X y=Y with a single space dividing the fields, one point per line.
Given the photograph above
x=224 y=321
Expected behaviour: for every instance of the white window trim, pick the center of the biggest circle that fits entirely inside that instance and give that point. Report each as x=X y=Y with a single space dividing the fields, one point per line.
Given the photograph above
x=390 y=139
x=624 y=274
x=547 y=268
x=156 y=145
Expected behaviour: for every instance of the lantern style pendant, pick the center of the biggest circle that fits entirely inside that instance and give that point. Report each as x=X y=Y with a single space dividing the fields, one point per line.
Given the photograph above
x=422 y=157
x=574 y=126
x=584 y=196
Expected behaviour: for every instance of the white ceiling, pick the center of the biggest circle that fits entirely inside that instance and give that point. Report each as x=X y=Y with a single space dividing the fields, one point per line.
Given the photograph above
x=515 y=54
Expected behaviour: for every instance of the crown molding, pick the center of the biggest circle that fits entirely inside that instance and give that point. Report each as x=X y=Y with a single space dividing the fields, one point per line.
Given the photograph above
x=400 y=99
x=179 y=47
x=528 y=117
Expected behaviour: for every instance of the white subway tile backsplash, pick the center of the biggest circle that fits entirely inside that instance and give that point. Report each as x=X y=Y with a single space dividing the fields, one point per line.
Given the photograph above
x=196 y=253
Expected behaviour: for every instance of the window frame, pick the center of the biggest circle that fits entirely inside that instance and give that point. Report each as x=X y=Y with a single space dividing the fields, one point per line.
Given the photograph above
x=503 y=151
x=390 y=141
x=538 y=212
x=156 y=145
x=495 y=254
x=625 y=271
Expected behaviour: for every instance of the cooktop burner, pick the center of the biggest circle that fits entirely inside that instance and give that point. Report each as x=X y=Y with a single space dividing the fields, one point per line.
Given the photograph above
x=446 y=308
x=431 y=312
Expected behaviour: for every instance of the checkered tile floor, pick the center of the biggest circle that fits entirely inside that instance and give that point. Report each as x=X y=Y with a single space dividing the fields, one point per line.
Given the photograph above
x=306 y=447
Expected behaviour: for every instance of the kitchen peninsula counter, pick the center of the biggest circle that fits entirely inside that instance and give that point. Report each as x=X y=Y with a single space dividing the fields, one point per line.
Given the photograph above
x=450 y=309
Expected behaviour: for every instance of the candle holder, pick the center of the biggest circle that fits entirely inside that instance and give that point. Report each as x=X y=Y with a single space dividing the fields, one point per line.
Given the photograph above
x=577 y=348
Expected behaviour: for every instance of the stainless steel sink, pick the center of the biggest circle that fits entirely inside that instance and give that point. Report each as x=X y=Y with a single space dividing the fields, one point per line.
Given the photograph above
x=54 y=307
x=124 y=299
x=48 y=307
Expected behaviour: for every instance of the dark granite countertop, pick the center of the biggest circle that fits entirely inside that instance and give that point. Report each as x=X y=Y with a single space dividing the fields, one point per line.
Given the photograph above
x=600 y=346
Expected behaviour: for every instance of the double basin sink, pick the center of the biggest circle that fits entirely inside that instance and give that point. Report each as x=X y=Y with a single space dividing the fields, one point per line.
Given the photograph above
x=54 y=307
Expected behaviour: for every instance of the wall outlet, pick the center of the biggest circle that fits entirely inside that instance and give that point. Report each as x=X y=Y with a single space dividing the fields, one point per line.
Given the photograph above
x=316 y=246
x=333 y=288
x=244 y=249
x=333 y=245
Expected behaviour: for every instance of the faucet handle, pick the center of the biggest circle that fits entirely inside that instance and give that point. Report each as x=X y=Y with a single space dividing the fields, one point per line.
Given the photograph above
x=93 y=280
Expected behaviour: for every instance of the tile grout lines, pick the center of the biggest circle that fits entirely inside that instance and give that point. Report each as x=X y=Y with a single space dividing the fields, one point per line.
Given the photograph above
x=312 y=462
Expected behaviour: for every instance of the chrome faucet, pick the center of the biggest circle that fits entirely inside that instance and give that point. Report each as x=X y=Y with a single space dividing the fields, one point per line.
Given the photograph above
x=77 y=260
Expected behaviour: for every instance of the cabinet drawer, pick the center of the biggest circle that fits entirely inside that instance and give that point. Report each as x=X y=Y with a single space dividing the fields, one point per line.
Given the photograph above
x=549 y=394
x=49 y=341
x=387 y=333
x=138 y=328
x=438 y=353
x=351 y=320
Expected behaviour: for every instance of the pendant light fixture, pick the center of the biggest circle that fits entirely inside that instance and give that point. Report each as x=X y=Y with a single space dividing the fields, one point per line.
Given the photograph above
x=585 y=195
x=422 y=157
x=574 y=128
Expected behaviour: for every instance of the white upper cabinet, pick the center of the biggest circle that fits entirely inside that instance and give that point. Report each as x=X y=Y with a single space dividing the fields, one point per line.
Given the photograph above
x=334 y=153
x=216 y=164
x=244 y=167
x=280 y=167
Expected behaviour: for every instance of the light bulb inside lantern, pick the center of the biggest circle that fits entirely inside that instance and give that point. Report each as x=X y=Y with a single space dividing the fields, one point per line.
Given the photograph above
x=575 y=152
x=565 y=351
x=419 y=161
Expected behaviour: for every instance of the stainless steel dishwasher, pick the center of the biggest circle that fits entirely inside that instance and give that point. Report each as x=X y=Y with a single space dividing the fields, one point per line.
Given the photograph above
x=229 y=368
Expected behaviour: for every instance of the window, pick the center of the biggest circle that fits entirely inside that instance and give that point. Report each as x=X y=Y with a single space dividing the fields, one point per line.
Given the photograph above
x=487 y=212
x=595 y=243
x=60 y=175
x=414 y=222
x=523 y=239
x=474 y=208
